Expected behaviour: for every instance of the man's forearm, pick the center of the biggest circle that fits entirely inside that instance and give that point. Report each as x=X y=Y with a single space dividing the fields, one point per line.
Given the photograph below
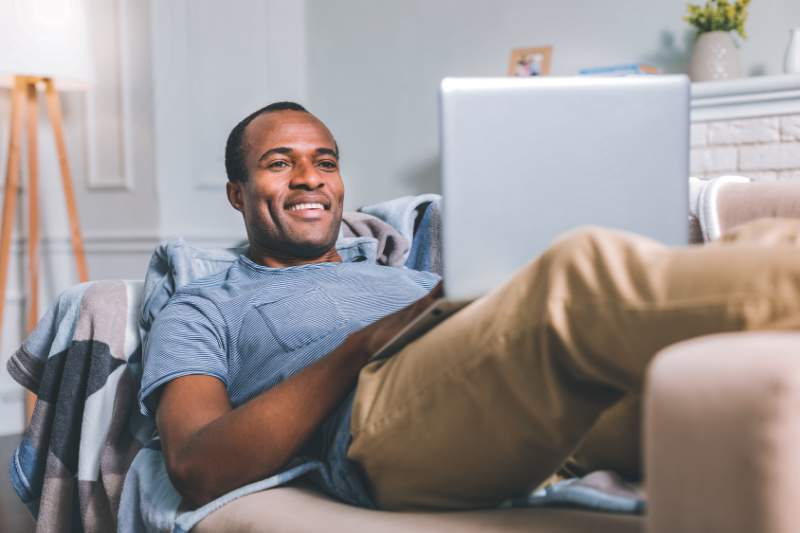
x=258 y=438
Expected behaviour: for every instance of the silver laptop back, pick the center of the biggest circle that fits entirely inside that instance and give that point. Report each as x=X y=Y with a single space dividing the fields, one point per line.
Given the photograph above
x=527 y=159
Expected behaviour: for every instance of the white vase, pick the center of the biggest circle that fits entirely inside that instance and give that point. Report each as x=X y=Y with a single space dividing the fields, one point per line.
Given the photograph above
x=715 y=57
x=791 y=63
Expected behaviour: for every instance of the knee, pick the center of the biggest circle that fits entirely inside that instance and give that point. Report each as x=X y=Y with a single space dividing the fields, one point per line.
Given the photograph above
x=577 y=263
x=578 y=246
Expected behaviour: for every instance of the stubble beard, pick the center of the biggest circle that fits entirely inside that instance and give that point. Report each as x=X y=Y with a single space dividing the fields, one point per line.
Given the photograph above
x=283 y=240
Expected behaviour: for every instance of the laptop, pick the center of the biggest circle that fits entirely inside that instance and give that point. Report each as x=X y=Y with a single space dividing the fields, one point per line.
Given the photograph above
x=527 y=159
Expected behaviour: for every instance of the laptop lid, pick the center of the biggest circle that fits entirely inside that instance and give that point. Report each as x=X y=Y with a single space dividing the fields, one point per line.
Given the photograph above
x=527 y=159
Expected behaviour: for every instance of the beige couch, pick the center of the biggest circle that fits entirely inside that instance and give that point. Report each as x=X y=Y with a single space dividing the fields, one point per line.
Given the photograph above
x=721 y=435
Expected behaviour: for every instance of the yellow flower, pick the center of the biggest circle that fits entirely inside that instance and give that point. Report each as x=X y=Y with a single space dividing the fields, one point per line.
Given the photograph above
x=722 y=15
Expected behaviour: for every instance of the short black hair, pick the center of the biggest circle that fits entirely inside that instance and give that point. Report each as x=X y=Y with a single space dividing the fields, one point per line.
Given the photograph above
x=235 y=165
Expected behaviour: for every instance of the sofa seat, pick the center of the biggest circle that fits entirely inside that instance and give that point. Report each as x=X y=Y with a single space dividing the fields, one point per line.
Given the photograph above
x=302 y=509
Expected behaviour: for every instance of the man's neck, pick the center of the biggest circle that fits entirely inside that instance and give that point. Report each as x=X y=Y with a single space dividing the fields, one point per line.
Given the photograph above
x=273 y=259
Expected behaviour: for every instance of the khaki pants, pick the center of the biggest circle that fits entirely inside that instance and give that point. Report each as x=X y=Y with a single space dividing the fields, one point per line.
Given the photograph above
x=495 y=399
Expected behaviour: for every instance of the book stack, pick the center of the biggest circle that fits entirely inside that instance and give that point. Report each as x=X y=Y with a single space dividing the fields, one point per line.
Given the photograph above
x=632 y=69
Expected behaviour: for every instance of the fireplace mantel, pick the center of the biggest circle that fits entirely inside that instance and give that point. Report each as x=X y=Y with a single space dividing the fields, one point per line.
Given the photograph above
x=746 y=97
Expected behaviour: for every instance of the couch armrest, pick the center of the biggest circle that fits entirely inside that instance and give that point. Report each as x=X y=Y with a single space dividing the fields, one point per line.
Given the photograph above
x=742 y=202
x=722 y=435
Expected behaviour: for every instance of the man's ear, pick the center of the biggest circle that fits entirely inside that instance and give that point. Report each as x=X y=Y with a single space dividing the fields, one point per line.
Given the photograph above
x=235 y=194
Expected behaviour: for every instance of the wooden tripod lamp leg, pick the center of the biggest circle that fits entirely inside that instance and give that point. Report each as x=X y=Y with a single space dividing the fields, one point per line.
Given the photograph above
x=33 y=207
x=11 y=190
x=33 y=220
x=54 y=111
x=11 y=186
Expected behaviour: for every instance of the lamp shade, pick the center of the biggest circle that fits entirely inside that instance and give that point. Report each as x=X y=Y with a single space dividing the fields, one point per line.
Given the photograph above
x=47 y=38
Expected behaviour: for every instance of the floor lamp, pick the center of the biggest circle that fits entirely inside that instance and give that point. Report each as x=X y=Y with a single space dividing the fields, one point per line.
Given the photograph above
x=40 y=42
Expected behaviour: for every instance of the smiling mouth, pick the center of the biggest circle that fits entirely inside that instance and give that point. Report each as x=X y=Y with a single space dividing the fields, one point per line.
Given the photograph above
x=310 y=206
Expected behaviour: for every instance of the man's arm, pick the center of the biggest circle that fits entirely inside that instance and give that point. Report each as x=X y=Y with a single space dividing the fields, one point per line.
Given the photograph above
x=211 y=448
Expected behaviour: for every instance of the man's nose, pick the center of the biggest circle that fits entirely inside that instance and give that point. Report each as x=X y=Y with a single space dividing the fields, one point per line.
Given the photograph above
x=306 y=176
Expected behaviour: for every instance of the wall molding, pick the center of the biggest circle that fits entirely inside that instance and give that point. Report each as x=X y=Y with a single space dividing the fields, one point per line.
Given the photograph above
x=121 y=242
x=95 y=177
x=58 y=248
x=745 y=98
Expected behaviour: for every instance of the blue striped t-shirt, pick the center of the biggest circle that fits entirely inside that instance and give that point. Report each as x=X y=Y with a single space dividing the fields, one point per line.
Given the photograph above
x=253 y=326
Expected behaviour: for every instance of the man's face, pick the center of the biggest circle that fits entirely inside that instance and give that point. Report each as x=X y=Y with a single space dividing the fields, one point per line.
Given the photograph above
x=292 y=200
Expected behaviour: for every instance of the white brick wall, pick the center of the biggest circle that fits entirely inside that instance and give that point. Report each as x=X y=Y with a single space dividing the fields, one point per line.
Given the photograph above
x=778 y=156
x=716 y=159
x=790 y=128
x=764 y=148
x=699 y=134
x=753 y=130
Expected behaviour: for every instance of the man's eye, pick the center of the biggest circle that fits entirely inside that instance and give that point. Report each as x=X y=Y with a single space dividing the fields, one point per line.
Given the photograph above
x=277 y=165
x=328 y=165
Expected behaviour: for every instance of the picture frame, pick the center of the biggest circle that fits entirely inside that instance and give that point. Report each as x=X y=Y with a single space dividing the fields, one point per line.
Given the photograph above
x=534 y=61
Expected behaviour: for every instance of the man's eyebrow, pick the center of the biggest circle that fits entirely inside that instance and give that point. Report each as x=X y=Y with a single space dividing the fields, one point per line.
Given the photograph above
x=286 y=150
x=327 y=151
x=278 y=150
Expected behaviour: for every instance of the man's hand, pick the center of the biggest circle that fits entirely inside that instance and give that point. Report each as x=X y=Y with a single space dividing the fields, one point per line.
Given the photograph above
x=211 y=448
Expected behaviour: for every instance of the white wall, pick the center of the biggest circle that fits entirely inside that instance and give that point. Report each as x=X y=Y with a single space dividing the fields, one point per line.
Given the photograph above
x=374 y=67
x=214 y=63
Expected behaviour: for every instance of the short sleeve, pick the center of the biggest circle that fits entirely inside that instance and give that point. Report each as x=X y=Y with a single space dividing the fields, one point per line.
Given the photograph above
x=186 y=338
x=426 y=280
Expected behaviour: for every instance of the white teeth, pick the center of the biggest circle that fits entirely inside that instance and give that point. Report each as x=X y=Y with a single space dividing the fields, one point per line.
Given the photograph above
x=298 y=207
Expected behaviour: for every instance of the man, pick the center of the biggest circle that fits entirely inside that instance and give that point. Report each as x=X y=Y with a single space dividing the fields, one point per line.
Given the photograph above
x=265 y=368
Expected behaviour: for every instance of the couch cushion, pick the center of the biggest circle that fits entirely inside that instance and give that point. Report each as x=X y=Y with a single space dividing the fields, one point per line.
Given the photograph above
x=300 y=509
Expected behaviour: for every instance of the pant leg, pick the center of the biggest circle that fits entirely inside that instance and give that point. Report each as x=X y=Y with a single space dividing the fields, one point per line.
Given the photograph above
x=494 y=399
x=614 y=442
